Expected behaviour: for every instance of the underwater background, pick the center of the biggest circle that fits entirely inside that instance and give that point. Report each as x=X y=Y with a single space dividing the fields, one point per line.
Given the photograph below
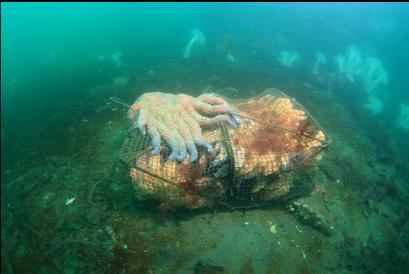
x=67 y=205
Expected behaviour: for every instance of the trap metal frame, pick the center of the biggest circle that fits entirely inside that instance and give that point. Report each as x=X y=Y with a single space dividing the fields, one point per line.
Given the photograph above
x=206 y=184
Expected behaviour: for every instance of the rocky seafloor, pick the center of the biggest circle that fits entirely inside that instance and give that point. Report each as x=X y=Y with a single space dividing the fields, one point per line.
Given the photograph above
x=68 y=205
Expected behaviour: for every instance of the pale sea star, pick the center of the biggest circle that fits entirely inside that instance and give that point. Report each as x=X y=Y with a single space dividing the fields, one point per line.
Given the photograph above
x=179 y=119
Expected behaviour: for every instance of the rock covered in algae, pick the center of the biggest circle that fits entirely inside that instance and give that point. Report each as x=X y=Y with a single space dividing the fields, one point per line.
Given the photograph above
x=306 y=216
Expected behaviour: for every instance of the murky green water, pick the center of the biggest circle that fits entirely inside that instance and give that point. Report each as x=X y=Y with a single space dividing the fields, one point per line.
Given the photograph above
x=67 y=204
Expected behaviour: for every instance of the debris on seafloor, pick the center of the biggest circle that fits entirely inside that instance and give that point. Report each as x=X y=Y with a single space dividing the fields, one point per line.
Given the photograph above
x=273 y=229
x=70 y=201
x=202 y=267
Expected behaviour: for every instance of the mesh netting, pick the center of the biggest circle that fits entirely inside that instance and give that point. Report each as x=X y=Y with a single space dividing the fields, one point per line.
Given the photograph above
x=267 y=158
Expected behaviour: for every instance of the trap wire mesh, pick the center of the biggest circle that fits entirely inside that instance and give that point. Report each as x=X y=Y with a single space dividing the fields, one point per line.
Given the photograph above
x=267 y=158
